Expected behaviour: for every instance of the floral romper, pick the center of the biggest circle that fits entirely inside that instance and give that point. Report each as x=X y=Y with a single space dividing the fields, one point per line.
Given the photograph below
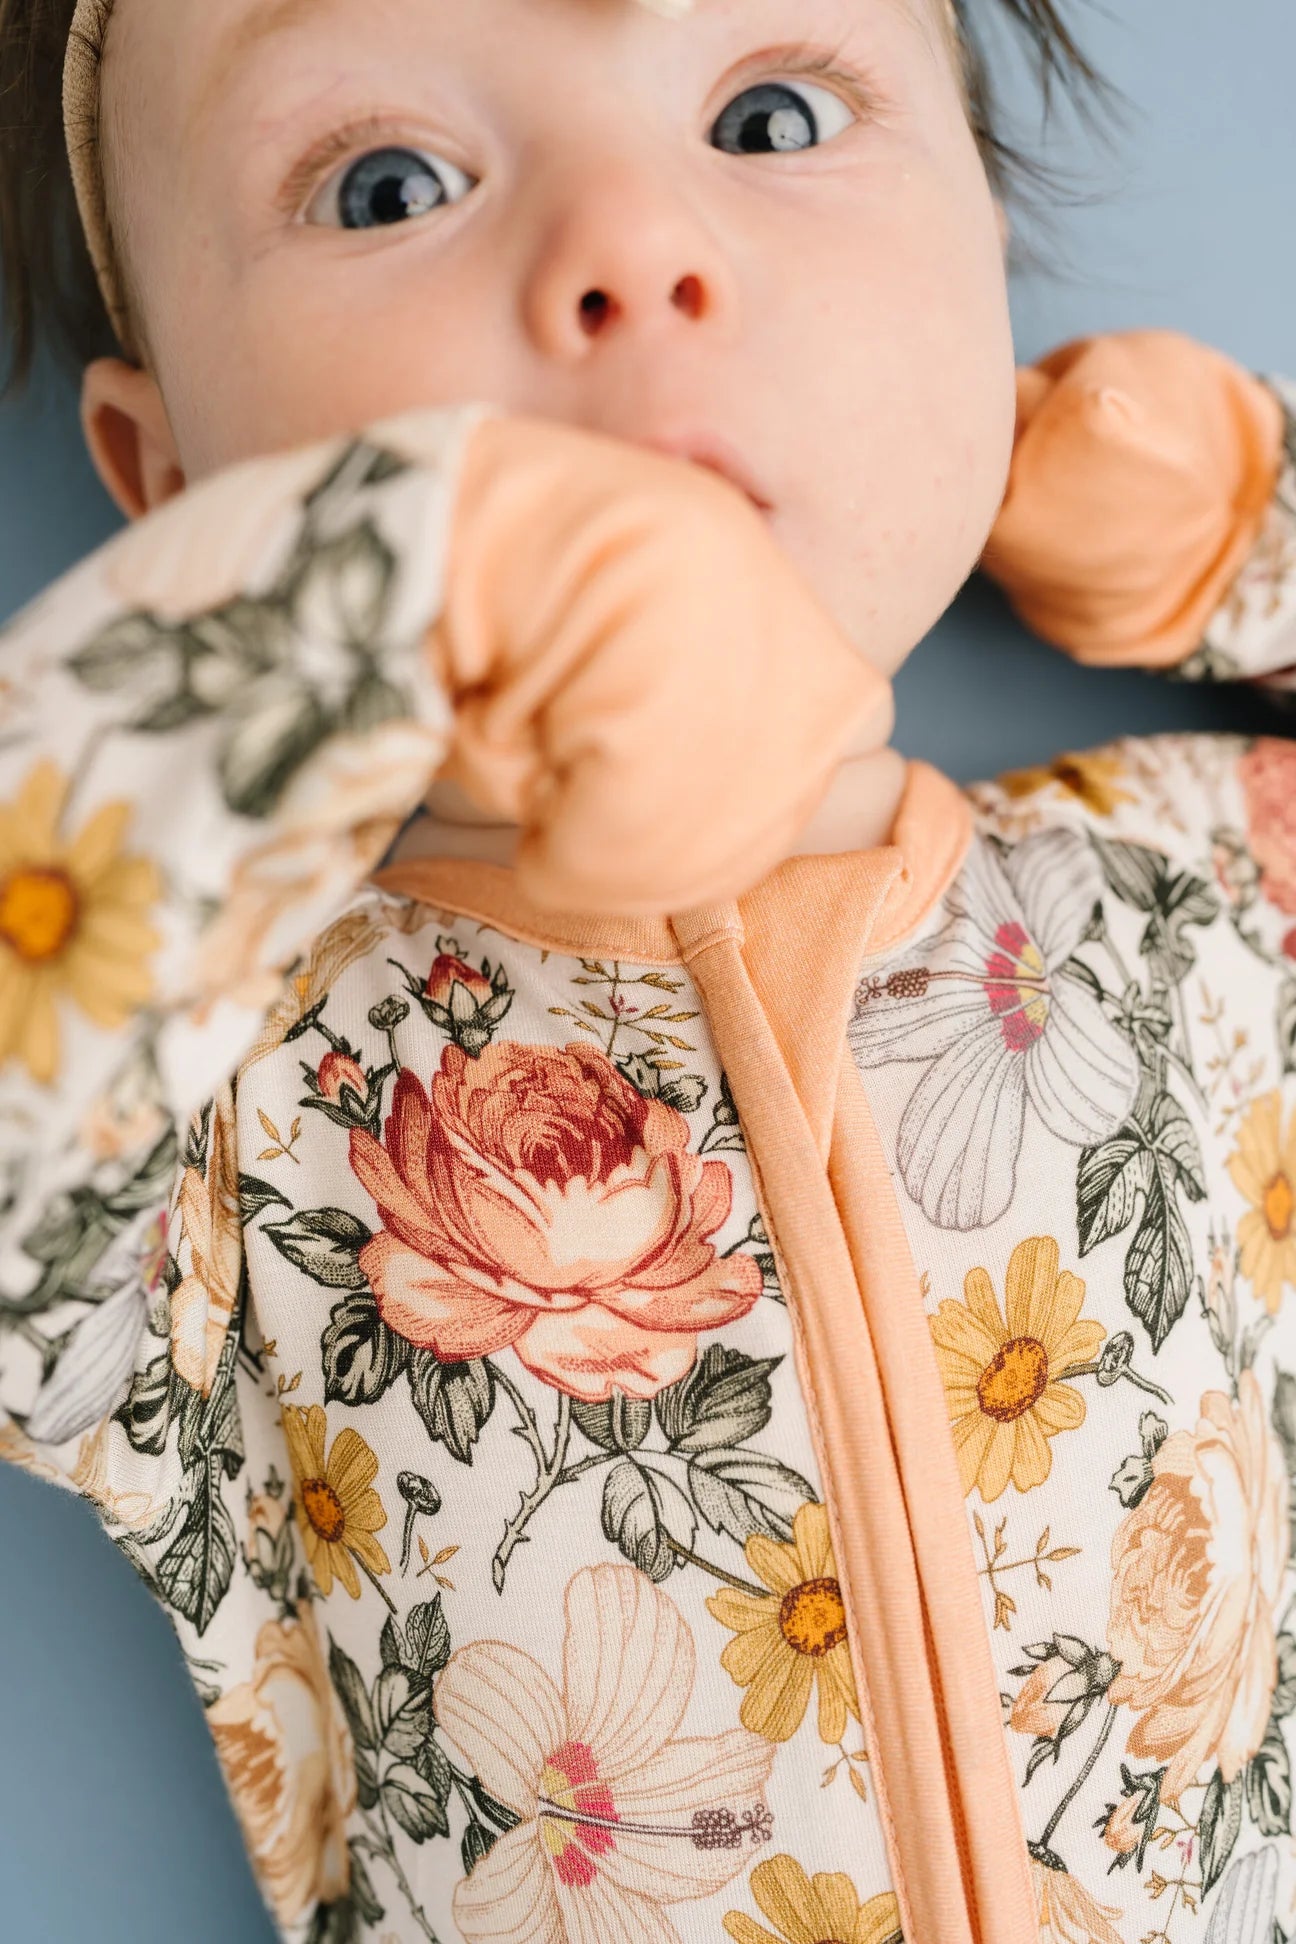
x=777 y=1424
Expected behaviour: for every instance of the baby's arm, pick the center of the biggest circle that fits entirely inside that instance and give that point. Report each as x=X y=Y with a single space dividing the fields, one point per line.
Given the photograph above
x=211 y=729
x=1150 y=518
x=214 y=726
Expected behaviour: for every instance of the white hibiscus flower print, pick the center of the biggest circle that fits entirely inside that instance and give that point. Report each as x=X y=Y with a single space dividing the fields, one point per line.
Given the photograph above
x=984 y=1002
x=619 y=1815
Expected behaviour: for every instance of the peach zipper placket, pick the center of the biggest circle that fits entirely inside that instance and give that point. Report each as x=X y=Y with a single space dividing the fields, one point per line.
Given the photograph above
x=948 y=1801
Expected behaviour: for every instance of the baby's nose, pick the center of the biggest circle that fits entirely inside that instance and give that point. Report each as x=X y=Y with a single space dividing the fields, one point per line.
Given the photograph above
x=621 y=256
x=599 y=308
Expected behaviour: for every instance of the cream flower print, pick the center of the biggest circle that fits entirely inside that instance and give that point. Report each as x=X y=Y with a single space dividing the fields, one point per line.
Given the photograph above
x=983 y=1001
x=792 y=1639
x=1067 y=1913
x=620 y=1816
x=1003 y=1372
x=823 y=1909
x=340 y=1512
x=289 y=1762
x=74 y=917
x=1197 y=1573
x=1263 y=1167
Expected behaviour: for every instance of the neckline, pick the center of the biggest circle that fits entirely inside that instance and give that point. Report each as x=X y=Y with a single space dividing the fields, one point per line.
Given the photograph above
x=871 y=899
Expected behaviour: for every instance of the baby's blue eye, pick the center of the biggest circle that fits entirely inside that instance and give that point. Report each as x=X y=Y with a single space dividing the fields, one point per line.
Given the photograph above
x=389 y=185
x=773 y=118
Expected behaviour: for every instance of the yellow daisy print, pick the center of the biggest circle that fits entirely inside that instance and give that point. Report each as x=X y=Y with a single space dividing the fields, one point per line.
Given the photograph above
x=1263 y=1167
x=813 y=1910
x=73 y=921
x=1002 y=1375
x=340 y=1512
x=1090 y=779
x=792 y=1638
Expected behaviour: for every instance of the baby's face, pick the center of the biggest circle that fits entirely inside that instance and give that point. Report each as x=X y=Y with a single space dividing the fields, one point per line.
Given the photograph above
x=677 y=233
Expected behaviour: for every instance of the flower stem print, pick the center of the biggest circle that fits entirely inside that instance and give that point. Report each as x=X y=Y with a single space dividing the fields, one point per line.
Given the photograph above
x=1144 y=1173
x=996 y=1567
x=621 y=1013
x=1045 y=1843
x=404 y=1776
x=1229 y=1085
x=549 y=1470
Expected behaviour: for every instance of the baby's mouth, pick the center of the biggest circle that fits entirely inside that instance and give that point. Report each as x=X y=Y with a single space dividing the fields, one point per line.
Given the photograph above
x=702 y=449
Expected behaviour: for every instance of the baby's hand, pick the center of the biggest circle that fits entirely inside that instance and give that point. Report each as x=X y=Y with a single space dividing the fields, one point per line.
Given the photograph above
x=1142 y=473
x=641 y=679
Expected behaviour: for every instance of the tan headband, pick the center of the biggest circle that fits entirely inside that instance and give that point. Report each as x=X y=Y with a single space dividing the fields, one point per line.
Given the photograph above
x=81 y=126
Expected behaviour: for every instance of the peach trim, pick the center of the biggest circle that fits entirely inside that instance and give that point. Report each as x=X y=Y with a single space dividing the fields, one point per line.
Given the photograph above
x=839 y=1375
x=981 y=1778
x=861 y=900
x=489 y=893
x=813 y=920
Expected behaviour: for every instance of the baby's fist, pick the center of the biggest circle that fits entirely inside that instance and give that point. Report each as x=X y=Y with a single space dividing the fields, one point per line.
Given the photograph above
x=1143 y=468
x=641 y=680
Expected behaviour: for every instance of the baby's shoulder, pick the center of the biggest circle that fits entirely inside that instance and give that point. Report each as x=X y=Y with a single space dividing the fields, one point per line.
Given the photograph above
x=1224 y=803
x=1190 y=831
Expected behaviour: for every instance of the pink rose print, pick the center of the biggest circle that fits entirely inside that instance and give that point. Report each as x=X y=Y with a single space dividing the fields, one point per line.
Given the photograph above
x=535 y=1200
x=448 y=972
x=1268 y=776
x=339 y=1070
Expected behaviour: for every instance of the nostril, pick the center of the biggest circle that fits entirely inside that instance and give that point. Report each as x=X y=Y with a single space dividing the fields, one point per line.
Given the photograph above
x=595 y=308
x=688 y=296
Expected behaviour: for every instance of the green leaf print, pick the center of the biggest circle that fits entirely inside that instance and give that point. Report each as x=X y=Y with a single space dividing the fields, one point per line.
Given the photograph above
x=1269 y=1785
x=744 y=1492
x=195 y=1571
x=354 y=1696
x=1286 y=1025
x=413 y=1802
x=361 y=1357
x=648 y=1518
x=453 y=1400
x=1218 y=1827
x=1139 y=1174
x=723 y=1401
x=324 y=1244
x=620 y=1424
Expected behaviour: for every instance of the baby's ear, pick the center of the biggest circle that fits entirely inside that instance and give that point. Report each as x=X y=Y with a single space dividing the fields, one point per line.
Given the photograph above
x=129 y=435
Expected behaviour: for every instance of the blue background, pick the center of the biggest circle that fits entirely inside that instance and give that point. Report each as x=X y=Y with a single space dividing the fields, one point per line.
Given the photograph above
x=114 y=1825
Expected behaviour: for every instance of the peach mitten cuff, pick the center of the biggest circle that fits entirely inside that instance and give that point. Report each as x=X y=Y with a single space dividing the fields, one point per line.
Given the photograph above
x=1147 y=474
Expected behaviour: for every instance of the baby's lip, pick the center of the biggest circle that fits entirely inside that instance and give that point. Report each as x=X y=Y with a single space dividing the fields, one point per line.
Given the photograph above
x=707 y=449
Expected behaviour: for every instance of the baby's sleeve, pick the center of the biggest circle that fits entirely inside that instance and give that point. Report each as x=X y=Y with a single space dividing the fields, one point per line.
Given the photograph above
x=210 y=730
x=1150 y=517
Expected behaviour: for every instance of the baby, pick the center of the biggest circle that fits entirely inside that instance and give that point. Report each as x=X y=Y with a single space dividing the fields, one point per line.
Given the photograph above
x=509 y=1308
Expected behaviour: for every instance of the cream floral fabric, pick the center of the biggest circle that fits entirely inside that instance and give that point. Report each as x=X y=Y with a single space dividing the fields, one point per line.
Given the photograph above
x=410 y=1321
x=1253 y=632
x=1085 y=1072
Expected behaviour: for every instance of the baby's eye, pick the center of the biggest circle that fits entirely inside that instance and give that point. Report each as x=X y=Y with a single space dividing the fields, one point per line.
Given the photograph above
x=388 y=185
x=773 y=117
